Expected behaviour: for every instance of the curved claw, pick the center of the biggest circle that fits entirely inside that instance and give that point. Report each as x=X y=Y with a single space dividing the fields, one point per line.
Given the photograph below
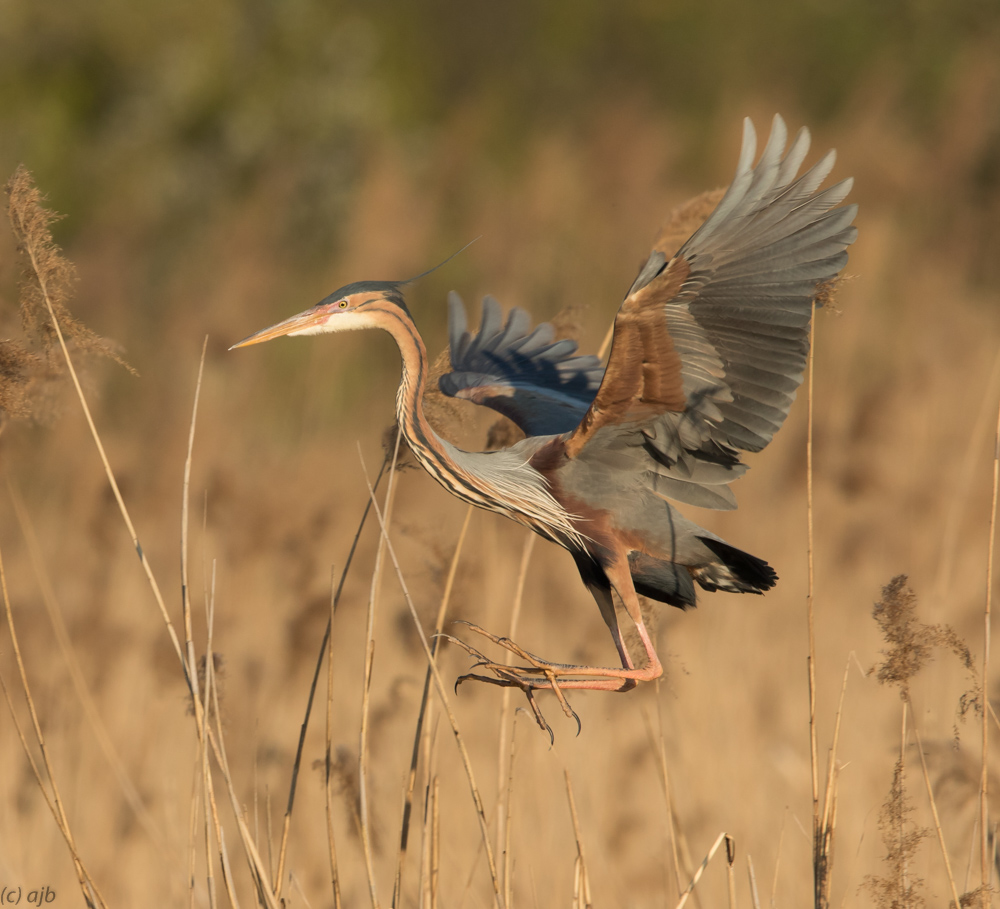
x=557 y=691
x=543 y=724
x=507 y=680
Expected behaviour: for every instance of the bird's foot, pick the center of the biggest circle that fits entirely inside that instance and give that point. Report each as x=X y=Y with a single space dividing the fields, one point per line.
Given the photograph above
x=541 y=674
x=517 y=677
x=570 y=675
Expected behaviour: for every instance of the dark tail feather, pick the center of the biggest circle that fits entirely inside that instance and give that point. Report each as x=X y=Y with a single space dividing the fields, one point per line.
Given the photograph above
x=736 y=570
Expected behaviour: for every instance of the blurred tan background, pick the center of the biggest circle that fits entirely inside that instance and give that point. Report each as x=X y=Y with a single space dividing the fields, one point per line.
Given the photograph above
x=222 y=165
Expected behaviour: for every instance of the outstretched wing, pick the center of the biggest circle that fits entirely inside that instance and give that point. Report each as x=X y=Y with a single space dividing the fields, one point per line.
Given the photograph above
x=709 y=347
x=528 y=376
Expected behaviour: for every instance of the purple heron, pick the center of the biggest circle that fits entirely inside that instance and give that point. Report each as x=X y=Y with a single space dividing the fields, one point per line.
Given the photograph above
x=708 y=350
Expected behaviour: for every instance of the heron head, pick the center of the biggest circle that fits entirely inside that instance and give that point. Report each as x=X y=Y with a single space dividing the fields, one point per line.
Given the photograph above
x=352 y=307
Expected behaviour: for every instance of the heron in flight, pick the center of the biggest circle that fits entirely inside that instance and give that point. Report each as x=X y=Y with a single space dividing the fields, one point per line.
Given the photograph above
x=708 y=350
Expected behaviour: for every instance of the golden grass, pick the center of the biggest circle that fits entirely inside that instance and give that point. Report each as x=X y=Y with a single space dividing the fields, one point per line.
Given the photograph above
x=901 y=484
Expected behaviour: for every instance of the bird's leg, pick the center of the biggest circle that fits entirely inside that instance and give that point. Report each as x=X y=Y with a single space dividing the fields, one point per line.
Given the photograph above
x=605 y=602
x=542 y=674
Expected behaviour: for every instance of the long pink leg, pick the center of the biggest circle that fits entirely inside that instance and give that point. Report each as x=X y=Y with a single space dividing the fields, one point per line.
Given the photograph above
x=601 y=678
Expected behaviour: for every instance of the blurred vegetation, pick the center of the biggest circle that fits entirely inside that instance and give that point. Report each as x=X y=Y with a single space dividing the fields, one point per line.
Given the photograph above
x=157 y=112
x=184 y=138
x=223 y=162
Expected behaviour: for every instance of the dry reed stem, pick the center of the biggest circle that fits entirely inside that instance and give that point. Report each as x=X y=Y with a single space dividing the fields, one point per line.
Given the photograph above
x=256 y=800
x=581 y=856
x=731 y=870
x=265 y=892
x=210 y=805
x=508 y=862
x=902 y=786
x=54 y=612
x=206 y=769
x=200 y=703
x=828 y=821
x=212 y=703
x=427 y=831
x=701 y=870
x=88 y=897
x=204 y=737
x=820 y=871
x=366 y=840
x=192 y=834
x=851 y=869
x=754 y=895
x=217 y=742
x=77 y=864
x=934 y=811
x=197 y=703
x=327 y=776
x=227 y=871
x=442 y=694
x=87 y=886
x=659 y=746
x=426 y=708
x=185 y=588
x=829 y=797
x=972 y=855
x=430 y=755
x=503 y=772
x=366 y=690
x=435 y=840
x=212 y=688
x=777 y=857
x=205 y=772
x=903 y=736
x=984 y=858
x=270 y=829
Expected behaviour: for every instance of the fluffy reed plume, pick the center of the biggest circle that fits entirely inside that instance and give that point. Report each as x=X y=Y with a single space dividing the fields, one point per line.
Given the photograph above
x=47 y=282
x=911 y=642
x=898 y=888
x=911 y=645
x=20 y=373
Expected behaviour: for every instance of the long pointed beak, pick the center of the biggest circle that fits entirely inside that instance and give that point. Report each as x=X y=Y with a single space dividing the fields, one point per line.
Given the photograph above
x=311 y=318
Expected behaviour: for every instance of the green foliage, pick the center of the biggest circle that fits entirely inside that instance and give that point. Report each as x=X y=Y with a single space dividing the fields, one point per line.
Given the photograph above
x=164 y=106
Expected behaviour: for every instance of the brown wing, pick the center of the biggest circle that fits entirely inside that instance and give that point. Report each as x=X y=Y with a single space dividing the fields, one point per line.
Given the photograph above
x=709 y=347
x=644 y=375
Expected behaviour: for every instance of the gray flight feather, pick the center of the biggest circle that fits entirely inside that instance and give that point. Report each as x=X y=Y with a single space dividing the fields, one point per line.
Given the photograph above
x=740 y=322
x=539 y=383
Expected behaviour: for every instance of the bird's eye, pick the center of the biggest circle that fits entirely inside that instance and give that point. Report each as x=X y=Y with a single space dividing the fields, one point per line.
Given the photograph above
x=343 y=304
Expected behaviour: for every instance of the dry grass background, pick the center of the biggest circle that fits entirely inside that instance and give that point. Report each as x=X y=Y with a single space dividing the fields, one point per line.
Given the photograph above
x=907 y=383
